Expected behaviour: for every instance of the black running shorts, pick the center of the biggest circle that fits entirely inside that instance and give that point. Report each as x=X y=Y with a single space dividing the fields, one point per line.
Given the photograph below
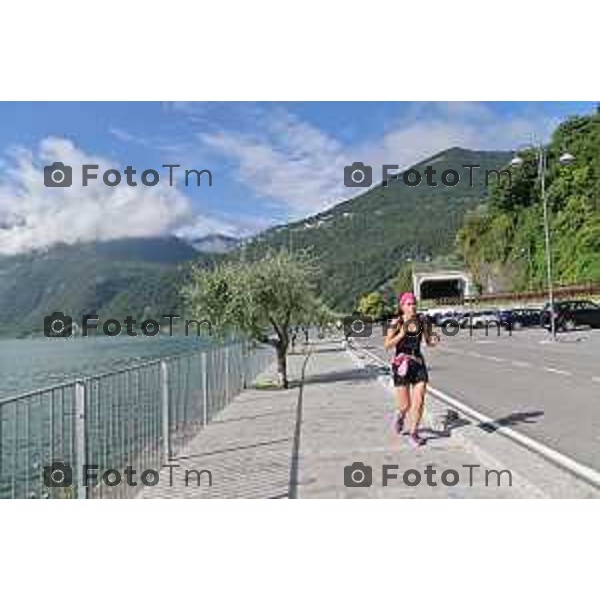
x=417 y=371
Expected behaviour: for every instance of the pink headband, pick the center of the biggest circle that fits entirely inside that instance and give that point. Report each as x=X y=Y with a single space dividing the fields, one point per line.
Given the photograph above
x=406 y=297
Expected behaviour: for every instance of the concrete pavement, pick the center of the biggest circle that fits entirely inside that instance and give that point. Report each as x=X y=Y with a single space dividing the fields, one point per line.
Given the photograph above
x=299 y=443
x=548 y=391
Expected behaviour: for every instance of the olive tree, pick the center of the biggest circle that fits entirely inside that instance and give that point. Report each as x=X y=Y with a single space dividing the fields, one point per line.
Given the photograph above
x=261 y=299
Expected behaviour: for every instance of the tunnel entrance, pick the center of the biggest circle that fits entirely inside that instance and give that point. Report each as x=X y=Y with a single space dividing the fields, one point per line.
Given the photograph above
x=442 y=285
x=442 y=288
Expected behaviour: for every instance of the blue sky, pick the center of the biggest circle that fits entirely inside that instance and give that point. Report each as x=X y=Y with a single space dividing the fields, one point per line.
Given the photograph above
x=271 y=162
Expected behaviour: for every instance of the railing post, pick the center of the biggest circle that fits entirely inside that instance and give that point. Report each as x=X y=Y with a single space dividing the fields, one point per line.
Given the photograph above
x=80 y=441
x=204 y=390
x=226 y=374
x=244 y=366
x=166 y=434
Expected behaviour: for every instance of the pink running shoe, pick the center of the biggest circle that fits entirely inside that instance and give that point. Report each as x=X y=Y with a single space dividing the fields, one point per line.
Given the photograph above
x=415 y=440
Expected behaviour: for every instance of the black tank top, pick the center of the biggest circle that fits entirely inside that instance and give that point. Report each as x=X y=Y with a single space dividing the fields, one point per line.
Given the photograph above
x=411 y=343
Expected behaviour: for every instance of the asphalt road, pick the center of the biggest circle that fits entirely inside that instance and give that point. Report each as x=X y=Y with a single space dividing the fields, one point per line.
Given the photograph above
x=549 y=391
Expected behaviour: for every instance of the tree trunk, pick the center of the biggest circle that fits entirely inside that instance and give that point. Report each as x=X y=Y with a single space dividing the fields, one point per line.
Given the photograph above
x=282 y=364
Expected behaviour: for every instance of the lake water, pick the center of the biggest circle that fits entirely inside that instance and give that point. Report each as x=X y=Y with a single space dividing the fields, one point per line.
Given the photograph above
x=35 y=363
x=124 y=416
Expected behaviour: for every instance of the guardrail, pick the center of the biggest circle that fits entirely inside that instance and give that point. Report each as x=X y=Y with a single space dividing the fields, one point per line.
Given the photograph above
x=561 y=292
x=140 y=416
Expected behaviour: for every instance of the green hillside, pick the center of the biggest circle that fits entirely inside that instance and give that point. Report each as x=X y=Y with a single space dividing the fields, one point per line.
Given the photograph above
x=360 y=243
x=503 y=242
x=138 y=277
x=363 y=242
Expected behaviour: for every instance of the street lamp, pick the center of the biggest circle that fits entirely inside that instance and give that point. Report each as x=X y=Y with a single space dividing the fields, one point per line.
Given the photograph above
x=527 y=251
x=565 y=159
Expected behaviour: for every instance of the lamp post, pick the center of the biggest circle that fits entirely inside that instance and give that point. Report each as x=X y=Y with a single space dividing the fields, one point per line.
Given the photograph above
x=565 y=159
x=527 y=251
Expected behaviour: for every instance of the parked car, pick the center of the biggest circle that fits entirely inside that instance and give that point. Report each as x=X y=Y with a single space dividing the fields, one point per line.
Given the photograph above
x=444 y=318
x=570 y=314
x=519 y=317
x=482 y=318
x=465 y=318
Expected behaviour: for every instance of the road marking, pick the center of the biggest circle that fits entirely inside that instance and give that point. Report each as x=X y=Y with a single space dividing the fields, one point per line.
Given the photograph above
x=596 y=379
x=519 y=363
x=486 y=357
x=578 y=469
x=557 y=371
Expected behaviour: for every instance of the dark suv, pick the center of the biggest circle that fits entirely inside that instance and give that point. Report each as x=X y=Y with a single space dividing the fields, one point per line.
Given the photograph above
x=570 y=314
x=519 y=317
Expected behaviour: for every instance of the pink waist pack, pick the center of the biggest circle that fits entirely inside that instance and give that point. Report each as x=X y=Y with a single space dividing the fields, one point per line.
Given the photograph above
x=401 y=362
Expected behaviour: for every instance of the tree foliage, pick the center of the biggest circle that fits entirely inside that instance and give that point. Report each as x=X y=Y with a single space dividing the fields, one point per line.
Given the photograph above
x=372 y=305
x=508 y=235
x=262 y=299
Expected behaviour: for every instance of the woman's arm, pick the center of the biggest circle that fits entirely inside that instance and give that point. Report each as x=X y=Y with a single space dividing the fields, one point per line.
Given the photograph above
x=394 y=334
x=431 y=339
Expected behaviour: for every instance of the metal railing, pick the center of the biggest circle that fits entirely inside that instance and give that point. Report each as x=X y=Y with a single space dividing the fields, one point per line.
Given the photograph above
x=138 y=417
x=586 y=290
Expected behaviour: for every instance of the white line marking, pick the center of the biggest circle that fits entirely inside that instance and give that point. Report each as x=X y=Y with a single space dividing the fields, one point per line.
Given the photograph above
x=519 y=363
x=596 y=379
x=557 y=371
x=582 y=471
x=494 y=358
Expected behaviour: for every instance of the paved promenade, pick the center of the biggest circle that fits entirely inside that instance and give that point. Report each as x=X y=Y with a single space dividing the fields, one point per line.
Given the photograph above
x=297 y=443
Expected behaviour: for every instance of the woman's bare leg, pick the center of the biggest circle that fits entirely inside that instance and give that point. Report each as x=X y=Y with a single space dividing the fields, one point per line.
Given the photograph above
x=402 y=399
x=403 y=405
x=417 y=403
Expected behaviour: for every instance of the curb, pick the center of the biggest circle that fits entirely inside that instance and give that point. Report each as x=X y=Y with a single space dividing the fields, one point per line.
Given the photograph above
x=571 y=466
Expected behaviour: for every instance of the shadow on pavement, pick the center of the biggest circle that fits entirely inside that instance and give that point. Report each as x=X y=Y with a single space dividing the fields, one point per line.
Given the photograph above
x=512 y=419
x=326 y=350
x=344 y=375
x=453 y=420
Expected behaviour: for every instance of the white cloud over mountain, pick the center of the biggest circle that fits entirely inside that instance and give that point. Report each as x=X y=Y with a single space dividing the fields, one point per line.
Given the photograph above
x=297 y=166
x=34 y=216
x=290 y=165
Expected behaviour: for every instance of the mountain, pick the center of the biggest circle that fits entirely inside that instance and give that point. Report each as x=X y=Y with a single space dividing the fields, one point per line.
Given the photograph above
x=135 y=276
x=363 y=242
x=215 y=243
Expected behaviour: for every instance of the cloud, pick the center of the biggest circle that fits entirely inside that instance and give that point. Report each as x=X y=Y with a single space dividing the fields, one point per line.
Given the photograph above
x=295 y=165
x=473 y=125
x=33 y=216
x=235 y=226
x=286 y=160
x=291 y=165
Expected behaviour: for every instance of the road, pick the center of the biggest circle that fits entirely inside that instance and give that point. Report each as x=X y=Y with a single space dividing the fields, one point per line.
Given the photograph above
x=549 y=391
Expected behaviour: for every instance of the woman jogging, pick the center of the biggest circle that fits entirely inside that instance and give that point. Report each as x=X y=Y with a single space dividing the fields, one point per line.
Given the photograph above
x=408 y=366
